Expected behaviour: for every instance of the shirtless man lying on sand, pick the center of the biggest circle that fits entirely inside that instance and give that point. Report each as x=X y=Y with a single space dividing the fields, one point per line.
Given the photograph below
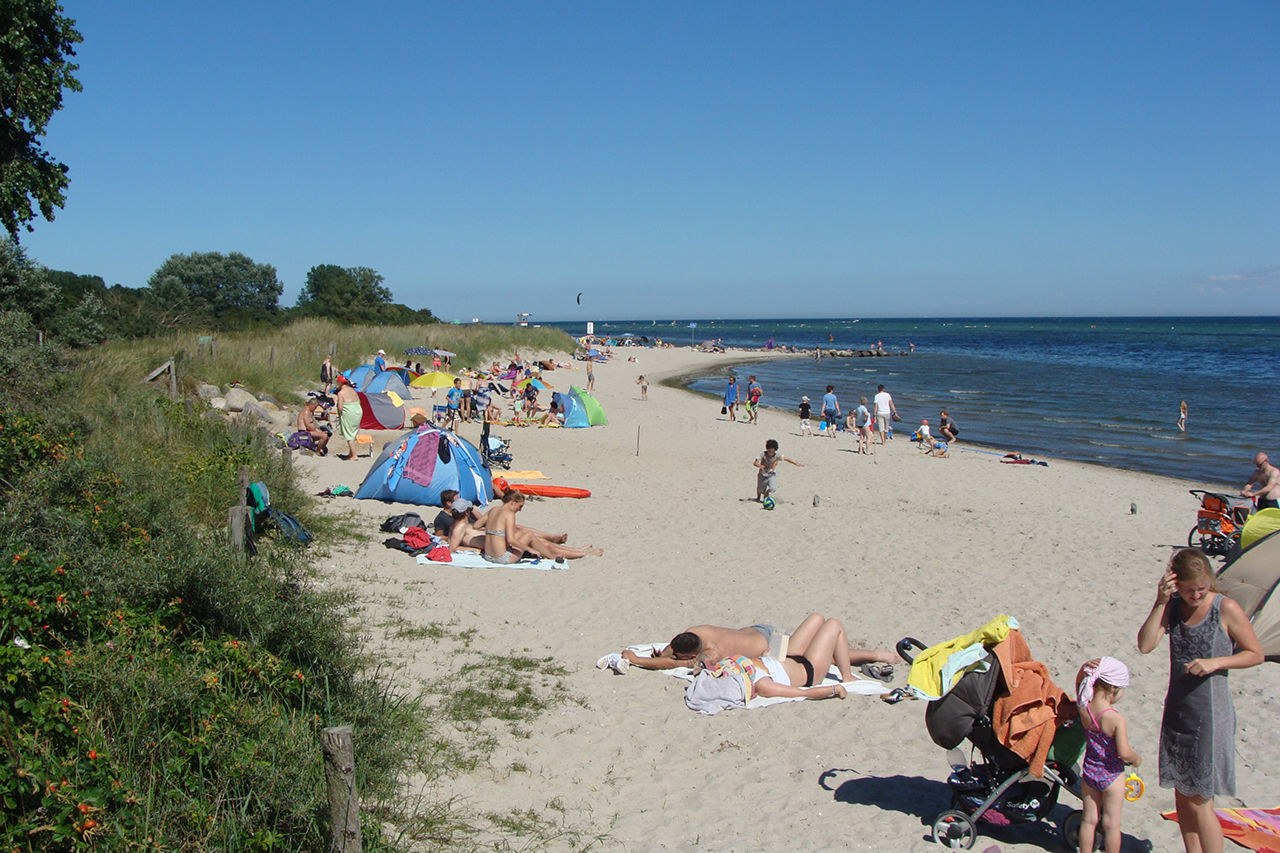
x=711 y=642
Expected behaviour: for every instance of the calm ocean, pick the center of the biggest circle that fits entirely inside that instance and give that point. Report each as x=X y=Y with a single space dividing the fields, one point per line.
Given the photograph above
x=1101 y=390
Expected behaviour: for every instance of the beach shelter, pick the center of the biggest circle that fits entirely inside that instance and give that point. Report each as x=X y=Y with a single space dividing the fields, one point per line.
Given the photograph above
x=589 y=404
x=575 y=417
x=382 y=411
x=434 y=379
x=1260 y=524
x=387 y=382
x=360 y=375
x=422 y=464
x=1251 y=580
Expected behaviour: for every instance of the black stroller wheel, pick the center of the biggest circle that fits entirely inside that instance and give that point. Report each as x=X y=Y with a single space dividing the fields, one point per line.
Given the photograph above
x=1071 y=832
x=954 y=830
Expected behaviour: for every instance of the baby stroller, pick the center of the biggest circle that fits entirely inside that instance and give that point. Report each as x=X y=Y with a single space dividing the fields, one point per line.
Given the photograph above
x=993 y=784
x=1219 y=522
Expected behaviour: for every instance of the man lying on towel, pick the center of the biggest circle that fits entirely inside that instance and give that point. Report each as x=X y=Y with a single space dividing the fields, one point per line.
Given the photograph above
x=711 y=642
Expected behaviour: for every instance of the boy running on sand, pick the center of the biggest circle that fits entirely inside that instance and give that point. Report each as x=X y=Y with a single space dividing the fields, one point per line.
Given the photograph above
x=766 y=477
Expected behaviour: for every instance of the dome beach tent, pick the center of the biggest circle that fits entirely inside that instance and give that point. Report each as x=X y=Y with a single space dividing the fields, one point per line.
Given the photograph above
x=1252 y=580
x=422 y=464
x=360 y=376
x=382 y=411
x=387 y=382
x=590 y=405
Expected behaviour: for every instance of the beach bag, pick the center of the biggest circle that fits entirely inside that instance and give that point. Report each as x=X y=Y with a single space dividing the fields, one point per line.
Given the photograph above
x=396 y=523
x=724 y=410
x=302 y=440
x=290 y=529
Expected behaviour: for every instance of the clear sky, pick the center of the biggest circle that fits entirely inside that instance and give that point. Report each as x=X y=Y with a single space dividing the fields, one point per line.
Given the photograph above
x=678 y=160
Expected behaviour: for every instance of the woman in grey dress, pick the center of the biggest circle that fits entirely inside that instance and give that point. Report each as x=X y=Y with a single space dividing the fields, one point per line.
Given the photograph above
x=1197 y=732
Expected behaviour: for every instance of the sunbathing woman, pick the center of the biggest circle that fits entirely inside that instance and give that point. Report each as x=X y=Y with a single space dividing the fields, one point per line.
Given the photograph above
x=505 y=542
x=816 y=645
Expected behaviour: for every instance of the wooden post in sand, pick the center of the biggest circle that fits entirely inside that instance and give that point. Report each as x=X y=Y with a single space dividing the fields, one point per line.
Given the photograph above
x=340 y=780
x=271 y=360
x=237 y=520
x=637 y=439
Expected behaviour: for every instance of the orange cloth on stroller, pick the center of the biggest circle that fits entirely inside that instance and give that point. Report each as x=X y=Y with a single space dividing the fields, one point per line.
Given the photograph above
x=1026 y=718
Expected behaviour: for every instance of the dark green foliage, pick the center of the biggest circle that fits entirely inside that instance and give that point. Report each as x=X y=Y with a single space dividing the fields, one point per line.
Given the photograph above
x=229 y=289
x=74 y=315
x=35 y=50
x=353 y=295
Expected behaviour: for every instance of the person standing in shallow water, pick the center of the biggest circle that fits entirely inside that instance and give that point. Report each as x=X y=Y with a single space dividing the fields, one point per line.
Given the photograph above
x=1182 y=416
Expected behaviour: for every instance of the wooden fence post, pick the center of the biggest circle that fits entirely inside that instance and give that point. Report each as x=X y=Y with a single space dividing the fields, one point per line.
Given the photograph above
x=242 y=476
x=271 y=360
x=173 y=377
x=236 y=518
x=288 y=458
x=340 y=780
x=333 y=348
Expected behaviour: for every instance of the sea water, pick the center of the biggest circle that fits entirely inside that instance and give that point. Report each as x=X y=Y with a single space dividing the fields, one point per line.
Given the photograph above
x=1101 y=390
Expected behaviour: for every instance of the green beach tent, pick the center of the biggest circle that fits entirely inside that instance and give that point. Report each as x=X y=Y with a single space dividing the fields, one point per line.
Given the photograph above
x=590 y=405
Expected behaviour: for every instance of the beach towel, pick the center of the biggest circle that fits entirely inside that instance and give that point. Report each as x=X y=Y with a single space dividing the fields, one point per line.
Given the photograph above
x=937 y=669
x=525 y=475
x=468 y=560
x=1027 y=718
x=421 y=466
x=1257 y=829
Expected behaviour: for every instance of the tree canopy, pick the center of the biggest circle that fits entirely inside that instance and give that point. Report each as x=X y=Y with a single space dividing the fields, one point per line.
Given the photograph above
x=206 y=286
x=353 y=295
x=74 y=315
x=35 y=49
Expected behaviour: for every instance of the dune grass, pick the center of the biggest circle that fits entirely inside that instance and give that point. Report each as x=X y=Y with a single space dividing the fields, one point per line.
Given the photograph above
x=283 y=361
x=164 y=693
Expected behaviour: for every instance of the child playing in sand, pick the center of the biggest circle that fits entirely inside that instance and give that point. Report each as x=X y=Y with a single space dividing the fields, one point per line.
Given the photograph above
x=806 y=428
x=766 y=477
x=644 y=386
x=1100 y=684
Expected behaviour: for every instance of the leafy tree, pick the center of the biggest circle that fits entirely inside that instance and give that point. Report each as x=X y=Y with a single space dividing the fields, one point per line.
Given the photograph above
x=227 y=289
x=35 y=48
x=353 y=295
x=342 y=294
x=25 y=287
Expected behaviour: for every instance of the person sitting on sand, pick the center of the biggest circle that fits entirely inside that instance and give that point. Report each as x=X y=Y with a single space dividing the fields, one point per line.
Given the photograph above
x=307 y=423
x=716 y=643
x=506 y=543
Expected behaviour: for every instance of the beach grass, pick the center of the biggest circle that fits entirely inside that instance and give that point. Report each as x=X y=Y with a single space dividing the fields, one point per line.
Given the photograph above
x=166 y=692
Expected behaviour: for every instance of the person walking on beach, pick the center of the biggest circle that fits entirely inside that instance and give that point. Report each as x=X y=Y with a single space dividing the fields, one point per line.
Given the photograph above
x=830 y=410
x=767 y=476
x=591 y=375
x=754 y=393
x=862 y=422
x=805 y=427
x=644 y=387
x=884 y=411
x=1197 y=731
x=1182 y=416
x=1264 y=484
x=731 y=398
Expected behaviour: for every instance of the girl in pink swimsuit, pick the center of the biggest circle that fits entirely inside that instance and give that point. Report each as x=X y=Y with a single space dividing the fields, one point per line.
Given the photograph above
x=1100 y=684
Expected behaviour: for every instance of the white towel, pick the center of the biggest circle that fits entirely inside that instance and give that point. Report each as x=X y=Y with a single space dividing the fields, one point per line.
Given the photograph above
x=468 y=560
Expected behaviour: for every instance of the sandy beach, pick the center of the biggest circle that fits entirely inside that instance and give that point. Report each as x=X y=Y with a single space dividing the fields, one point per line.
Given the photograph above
x=895 y=544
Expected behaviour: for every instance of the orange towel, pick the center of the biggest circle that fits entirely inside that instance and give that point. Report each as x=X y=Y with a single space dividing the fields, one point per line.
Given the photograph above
x=1027 y=716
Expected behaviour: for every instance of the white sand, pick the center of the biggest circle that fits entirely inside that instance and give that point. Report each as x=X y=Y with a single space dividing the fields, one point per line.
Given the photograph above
x=898 y=545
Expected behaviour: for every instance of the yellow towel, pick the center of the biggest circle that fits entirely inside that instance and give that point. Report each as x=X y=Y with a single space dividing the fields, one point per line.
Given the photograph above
x=926 y=670
x=395 y=398
x=525 y=475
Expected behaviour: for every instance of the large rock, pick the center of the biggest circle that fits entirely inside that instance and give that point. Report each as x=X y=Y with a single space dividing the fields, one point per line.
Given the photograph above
x=218 y=403
x=267 y=398
x=253 y=411
x=269 y=405
x=238 y=398
x=208 y=392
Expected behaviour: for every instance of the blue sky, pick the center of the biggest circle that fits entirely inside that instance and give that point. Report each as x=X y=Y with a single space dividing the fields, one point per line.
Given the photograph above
x=676 y=160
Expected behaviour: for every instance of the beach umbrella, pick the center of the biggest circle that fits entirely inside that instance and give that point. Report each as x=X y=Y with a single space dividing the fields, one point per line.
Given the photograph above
x=419 y=351
x=434 y=379
x=444 y=352
x=537 y=383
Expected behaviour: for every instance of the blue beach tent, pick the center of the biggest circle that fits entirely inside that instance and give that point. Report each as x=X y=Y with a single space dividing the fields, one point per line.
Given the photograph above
x=387 y=381
x=422 y=464
x=359 y=375
x=575 y=417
